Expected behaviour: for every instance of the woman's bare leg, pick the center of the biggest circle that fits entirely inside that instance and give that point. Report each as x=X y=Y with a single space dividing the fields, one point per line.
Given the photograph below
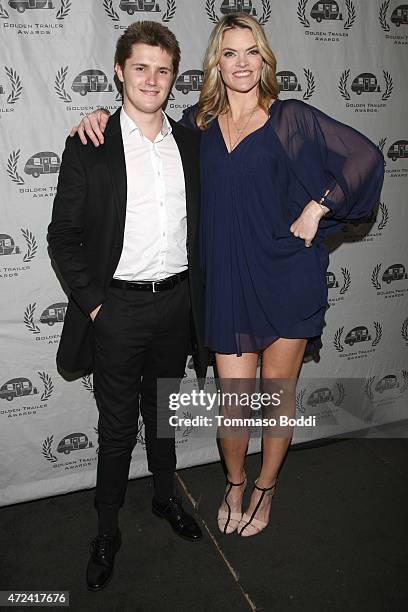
x=281 y=360
x=234 y=447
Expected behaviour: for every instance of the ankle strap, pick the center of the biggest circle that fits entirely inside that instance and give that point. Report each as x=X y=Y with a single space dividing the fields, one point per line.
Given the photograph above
x=236 y=484
x=266 y=488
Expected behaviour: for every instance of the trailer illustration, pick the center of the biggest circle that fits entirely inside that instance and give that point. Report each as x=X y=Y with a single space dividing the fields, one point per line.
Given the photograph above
x=398 y=150
x=287 y=81
x=72 y=442
x=393 y=273
x=387 y=382
x=133 y=6
x=44 y=162
x=320 y=396
x=326 y=10
x=365 y=82
x=22 y=5
x=237 y=6
x=54 y=313
x=400 y=15
x=357 y=334
x=17 y=387
x=190 y=80
x=7 y=246
x=91 y=81
x=331 y=280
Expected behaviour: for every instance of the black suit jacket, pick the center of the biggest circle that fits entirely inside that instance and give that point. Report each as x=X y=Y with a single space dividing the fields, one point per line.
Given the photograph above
x=86 y=236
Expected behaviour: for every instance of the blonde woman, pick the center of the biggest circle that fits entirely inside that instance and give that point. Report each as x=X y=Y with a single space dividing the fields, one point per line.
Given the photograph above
x=277 y=178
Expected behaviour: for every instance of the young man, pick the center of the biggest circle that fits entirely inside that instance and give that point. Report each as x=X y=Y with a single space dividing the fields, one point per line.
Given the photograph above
x=124 y=237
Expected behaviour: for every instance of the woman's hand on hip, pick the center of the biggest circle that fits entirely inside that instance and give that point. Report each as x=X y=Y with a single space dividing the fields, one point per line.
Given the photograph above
x=305 y=226
x=93 y=125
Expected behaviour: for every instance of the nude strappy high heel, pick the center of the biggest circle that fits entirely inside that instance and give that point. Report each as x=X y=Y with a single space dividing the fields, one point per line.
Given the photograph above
x=228 y=521
x=250 y=524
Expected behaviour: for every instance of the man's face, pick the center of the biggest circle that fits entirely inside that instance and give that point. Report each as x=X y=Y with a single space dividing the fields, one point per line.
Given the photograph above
x=146 y=77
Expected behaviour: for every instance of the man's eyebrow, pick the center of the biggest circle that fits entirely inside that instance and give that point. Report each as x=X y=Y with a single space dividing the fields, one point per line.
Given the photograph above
x=146 y=65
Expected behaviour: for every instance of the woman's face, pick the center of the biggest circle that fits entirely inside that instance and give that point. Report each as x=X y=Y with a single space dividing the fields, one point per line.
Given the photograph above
x=240 y=63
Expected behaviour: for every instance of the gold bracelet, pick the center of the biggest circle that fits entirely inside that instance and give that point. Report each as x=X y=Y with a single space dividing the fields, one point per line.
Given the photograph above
x=322 y=205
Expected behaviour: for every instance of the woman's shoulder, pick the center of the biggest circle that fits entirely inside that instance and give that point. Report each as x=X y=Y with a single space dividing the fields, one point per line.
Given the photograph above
x=188 y=118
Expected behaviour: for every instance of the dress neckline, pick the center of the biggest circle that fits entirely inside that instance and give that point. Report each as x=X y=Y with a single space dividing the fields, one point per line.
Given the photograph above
x=270 y=113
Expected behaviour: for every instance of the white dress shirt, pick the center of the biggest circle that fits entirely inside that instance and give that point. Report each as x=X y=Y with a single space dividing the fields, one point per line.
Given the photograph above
x=154 y=244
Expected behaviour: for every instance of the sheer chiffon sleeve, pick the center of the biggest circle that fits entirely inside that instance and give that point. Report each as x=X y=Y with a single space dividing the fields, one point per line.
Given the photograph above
x=326 y=154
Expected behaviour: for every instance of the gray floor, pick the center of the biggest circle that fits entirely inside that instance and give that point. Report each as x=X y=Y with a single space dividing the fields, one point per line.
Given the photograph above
x=337 y=541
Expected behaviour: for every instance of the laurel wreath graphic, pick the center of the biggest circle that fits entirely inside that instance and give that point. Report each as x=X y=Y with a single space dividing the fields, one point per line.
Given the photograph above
x=189 y=428
x=88 y=384
x=381 y=146
x=343 y=84
x=140 y=432
x=64 y=10
x=12 y=167
x=337 y=340
x=351 y=11
x=383 y=16
x=31 y=245
x=301 y=13
x=385 y=216
x=170 y=11
x=3 y=13
x=266 y=15
x=310 y=84
x=389 y=86
x=48 y=385
x=209 y=9
x=341 y=394
x=97 y=436
x=299 y=400
x=29 y=319
x=378 y=333
x=368 y=387
x=59 y=85
x=374 y=277
x=405 y=381
x=347 y=281
x=16 y=87
x=46 y=449
x=404 y=329
x=108 y=6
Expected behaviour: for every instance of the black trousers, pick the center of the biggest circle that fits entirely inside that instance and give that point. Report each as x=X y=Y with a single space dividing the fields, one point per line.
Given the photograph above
x=140 y=336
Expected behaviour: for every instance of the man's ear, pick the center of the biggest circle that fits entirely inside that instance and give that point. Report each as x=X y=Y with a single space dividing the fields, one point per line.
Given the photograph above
x=119 y=72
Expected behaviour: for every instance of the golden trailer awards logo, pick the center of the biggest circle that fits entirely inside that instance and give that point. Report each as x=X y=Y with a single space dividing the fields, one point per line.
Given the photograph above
x=387 y=388
x=288 y=81
x=397 y=152
x=89 y=83
x=50 y=316
x=330 y=22
x=321 y=397
x=139 y=9
x=395 y=276
x=397 y=17
x=337 y=286
x=360 y=335
x=260 y=9
x=41 y=164
x=10 y=92
x=78 y=448
x=22 y=394
x=46 y=16
x=9 y=247
x=368 y=229
x=368 y=85
x=188 y=82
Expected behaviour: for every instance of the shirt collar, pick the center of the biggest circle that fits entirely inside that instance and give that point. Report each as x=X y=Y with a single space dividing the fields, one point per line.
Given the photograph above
x=128 y=126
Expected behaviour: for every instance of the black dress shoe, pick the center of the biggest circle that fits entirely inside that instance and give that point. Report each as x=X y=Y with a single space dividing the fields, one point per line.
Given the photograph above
x=100 y=565
x=181 y=522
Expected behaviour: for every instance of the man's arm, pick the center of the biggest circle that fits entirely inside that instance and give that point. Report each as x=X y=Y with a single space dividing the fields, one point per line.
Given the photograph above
x=66 y=232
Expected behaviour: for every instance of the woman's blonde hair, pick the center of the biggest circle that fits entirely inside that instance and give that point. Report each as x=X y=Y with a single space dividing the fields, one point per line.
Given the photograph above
x=213 y=99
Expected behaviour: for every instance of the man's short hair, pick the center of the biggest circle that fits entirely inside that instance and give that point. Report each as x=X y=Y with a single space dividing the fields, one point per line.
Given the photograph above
x=147 y=33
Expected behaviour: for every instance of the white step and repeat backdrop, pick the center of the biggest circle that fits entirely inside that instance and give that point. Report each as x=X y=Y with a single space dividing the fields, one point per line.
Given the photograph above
x=348 y=58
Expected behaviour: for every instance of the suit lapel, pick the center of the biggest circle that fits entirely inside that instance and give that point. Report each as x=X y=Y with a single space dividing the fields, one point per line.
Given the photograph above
x=189 y=161
x=115 y=156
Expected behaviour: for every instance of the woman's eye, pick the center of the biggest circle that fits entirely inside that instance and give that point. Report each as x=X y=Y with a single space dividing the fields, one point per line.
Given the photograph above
x=228 y=54
x=254 y=52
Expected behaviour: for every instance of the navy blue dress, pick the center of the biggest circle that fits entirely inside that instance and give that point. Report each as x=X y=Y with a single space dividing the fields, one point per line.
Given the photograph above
x=262 y=283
